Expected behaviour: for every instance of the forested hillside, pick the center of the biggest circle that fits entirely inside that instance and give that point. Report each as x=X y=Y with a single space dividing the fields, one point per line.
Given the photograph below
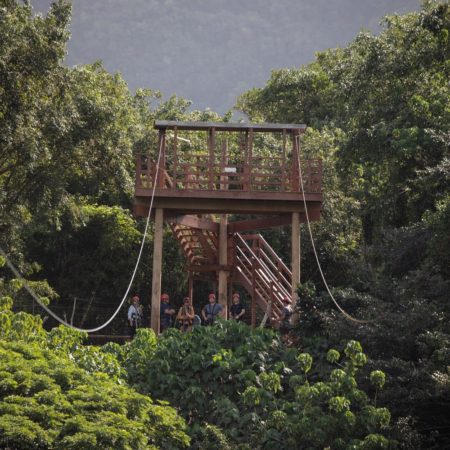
x=378 y=113
x=211 y=51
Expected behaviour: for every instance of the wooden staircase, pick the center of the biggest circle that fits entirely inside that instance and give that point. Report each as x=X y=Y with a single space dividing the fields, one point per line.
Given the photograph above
x=199 y=246
x=252 y=262
x=262 y=273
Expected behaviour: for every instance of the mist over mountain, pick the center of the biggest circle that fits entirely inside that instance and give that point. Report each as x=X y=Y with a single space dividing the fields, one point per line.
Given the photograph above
x=210 y=51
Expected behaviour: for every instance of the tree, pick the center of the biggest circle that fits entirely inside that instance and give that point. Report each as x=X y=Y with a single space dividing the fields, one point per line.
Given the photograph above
x=57 y=393
x=242 y=388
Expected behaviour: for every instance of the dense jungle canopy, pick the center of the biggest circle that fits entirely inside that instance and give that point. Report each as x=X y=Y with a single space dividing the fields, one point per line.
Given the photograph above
x=378 y=113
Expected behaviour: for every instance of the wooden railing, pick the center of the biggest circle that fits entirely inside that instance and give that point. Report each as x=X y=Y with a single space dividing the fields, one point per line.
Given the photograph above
x=262 y=174
x=265 y=272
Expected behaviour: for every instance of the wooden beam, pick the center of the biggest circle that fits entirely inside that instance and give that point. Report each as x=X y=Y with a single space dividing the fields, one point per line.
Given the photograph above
x=230 y=195
x=253 y=306
x=199 y=223
x=175 y=154
x=157 y=267
x=228 y=126
x=160 y=182
x=295 y=176
x=249 y=162
x=191 y=287
x=223 y=260
x=211 y=148
x=295 y=258
x=202 y=206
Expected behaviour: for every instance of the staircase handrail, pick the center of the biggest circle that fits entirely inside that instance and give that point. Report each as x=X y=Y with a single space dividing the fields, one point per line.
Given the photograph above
x=274 y=255
x=270 y=276
x=273 y=277
x=278 y=265
x=282 y=277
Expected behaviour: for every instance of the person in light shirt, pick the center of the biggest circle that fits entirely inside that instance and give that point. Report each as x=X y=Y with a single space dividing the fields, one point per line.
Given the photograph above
x=186 y=315
x=134 y=315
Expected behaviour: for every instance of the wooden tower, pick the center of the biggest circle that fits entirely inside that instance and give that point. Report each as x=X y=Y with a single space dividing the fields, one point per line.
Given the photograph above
x=210 y=170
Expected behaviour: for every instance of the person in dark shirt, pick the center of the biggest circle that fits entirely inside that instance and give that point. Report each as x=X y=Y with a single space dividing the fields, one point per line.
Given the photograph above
x=211 y=310
x=166 y=313
x=237 y=310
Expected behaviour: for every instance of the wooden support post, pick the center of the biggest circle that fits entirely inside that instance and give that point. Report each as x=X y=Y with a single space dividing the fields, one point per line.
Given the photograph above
x=138 y=179
x=250 y=157
x=230 y=296
x=253 y=312
x=223 y=163
x=175 y=157
x=283 y=163
x=162 y=160
x=211 y=148
x=157 y=265
x=295 y=185
x=223 y=251
x=191 y=287
x=295 y=255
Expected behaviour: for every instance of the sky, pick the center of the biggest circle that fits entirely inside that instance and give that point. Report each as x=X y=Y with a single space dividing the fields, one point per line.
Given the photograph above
x=211 y=51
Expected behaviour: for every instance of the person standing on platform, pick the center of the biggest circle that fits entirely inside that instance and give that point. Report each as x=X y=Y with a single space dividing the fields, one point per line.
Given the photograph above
x=166 y=313
x=185 y=316
x=134 y=315
x=237 y=310
x=211 y=310
x=284 y=322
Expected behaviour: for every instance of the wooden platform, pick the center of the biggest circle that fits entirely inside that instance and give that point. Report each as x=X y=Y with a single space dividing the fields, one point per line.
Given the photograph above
x=216 y=202
x=228 y=173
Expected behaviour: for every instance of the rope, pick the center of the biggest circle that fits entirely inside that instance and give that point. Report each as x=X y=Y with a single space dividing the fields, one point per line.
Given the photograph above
x=55 y=316
x=346 y=315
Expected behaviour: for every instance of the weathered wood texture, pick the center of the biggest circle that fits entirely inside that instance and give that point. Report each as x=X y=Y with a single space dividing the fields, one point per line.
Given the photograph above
x=251 y=170
x=210 y=168
x=295 y=254
x=157 y=266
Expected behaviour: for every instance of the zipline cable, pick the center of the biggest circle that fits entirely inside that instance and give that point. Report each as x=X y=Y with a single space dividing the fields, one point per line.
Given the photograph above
x=346 y=314
x=55 y=316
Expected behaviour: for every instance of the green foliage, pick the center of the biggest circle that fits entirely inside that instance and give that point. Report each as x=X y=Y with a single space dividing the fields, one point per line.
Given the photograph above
x=57 y=393
x=379 y=118
x=377 y=378
x=390 y=103
x=46 y=401
x=250 y=390
x=379 y=113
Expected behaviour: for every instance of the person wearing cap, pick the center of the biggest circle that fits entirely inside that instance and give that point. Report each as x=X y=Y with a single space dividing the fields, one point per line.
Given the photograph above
x=166 y=312
x=211 y=310
x=237 y=310
x=185 y=316
x=134 y=315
